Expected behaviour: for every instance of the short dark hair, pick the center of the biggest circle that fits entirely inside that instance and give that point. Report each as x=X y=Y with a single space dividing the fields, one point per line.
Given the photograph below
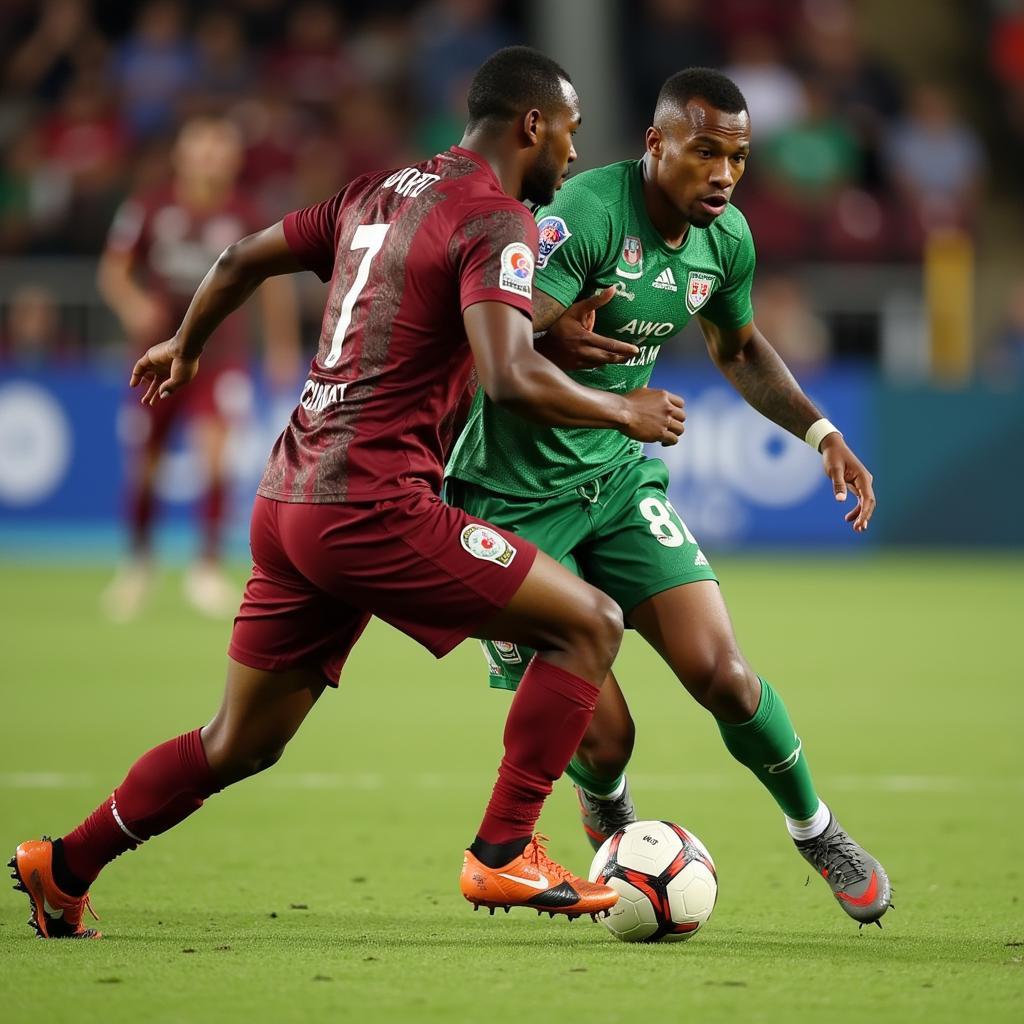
x=512 y=81
x=720 y=91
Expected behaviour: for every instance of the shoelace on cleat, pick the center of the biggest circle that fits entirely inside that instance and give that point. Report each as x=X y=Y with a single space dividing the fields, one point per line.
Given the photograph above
x=838 y=854
x=87 y=903
x=535 y=854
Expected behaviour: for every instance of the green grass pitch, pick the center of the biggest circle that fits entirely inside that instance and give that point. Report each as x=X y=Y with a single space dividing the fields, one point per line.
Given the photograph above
x=327 y=888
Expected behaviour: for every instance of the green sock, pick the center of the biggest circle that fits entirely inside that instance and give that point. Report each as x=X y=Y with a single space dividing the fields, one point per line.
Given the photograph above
x=586 y=779
x=769 y=746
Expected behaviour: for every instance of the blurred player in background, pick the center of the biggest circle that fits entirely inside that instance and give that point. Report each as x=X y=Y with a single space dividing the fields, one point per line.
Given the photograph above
x=430 y=271
x=636 y=249
x=160 y=245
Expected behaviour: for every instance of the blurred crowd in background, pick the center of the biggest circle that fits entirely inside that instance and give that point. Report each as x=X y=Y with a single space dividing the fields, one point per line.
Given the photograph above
x=858 y=159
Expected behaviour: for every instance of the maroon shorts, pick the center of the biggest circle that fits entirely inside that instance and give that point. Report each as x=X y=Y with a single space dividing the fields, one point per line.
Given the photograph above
x=320 y=571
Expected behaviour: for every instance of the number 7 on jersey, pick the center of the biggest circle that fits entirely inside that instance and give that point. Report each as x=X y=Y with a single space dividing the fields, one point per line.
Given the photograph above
x=369 y=237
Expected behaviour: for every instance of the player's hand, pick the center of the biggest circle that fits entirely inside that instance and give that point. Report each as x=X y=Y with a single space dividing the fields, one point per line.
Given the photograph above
x=571 y=344
x=162 y=371
x=655 y=415
x=846 y=471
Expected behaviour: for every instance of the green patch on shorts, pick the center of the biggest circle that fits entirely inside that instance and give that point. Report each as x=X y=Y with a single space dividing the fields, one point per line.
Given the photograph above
x=619 y=532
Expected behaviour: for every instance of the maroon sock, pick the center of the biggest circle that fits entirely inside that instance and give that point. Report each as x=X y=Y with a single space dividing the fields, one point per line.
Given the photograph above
x=547 y=720
x=141 y=508
x=162 y=788
x=213 y=518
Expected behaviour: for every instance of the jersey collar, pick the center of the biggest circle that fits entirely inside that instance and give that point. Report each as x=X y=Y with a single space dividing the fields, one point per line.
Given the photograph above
x=478 y=160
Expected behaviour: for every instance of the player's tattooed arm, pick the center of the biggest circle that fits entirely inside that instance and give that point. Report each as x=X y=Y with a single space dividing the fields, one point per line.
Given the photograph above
x=758 y=373
x=753 y=367
x=518 y=378
x=570 y=342
x=546 y=311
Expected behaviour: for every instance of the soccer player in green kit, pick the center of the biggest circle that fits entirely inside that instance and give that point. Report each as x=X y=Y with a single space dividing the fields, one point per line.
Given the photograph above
x=632 y=251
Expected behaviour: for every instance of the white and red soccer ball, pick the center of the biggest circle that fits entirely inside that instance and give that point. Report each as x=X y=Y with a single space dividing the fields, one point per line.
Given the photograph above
x=665 y=878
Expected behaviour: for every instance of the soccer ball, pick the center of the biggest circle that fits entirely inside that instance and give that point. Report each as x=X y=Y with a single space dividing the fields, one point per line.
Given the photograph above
x=665 y=879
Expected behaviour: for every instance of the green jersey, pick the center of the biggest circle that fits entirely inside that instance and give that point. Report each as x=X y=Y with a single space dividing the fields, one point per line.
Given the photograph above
x=597 y=233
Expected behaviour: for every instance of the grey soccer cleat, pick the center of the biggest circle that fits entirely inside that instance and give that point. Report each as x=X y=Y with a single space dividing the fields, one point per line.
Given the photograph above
x=856 y=879
x=602 y=818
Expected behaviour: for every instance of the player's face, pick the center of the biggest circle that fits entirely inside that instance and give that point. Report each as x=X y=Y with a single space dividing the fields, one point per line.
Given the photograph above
x=555 y=150
x=209 y=150
x=699 y=156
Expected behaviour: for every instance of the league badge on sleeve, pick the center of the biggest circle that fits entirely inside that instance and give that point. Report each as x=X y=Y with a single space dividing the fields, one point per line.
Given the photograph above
x=508 y=652
x=698 y=289
x=486 y=544
x=553 y=232
x=517 y=269
x=631 y=263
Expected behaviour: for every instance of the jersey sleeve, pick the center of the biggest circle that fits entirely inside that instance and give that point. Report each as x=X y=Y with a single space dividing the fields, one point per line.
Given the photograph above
x=731 y=306
x=494 y=252
x=310 y=234
x=573 y=242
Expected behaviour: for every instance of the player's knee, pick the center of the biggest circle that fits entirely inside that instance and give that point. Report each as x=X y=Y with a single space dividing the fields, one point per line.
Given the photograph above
x=603 y=622
x=728 y=688
x=232 y=760
x=244 y=764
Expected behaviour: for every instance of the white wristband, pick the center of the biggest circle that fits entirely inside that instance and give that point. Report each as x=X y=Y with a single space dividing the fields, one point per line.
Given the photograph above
x=818 y=431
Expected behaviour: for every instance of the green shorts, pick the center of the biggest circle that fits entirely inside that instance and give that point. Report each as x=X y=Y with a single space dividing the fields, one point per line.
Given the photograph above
x=619 y=532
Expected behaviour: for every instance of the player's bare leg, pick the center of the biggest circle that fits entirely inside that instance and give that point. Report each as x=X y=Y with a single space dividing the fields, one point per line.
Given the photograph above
x=599 y=764
x=205 y=584
x=259 y=714
x=126 y=594
x=576 y=631
x=689 y=627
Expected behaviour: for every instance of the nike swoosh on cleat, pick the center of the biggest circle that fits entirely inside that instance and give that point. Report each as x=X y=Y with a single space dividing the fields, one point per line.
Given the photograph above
x=866 y=898
x=533 y=883
x=52 y=911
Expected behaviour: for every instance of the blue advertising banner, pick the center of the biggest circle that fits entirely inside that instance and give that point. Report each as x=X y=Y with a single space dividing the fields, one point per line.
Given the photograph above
x=65 y=441
x=736 y=478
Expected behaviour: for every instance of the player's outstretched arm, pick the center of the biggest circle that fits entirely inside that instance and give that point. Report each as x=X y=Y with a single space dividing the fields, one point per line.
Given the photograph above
x=140 y=313
x=238 y=272
x=516 y=377
x=570 y=342
x=758 y=373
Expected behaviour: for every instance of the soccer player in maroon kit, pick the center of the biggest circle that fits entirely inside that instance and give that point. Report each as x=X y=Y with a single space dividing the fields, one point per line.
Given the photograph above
x=348 y=522
x=160 y=245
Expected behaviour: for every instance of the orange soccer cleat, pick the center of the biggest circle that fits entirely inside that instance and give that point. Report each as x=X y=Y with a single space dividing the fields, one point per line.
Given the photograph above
x=55 y=915
x=533 y=880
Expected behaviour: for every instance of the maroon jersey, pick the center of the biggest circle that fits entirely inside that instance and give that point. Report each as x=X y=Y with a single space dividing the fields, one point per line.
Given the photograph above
x=406 y=252
x=173 y=245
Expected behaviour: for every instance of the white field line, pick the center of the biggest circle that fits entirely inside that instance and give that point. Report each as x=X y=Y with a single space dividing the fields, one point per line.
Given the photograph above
x=371 y=782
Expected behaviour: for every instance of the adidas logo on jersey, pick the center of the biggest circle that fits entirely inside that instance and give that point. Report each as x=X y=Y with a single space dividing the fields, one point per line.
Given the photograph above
x=665 y=281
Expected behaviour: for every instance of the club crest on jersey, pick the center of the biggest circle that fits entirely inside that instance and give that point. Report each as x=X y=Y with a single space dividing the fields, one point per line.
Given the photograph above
x=553 y=232
x=698 y=289
x=633 y=258
x=517 y=269
x=508 y=652
x=484 y=543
